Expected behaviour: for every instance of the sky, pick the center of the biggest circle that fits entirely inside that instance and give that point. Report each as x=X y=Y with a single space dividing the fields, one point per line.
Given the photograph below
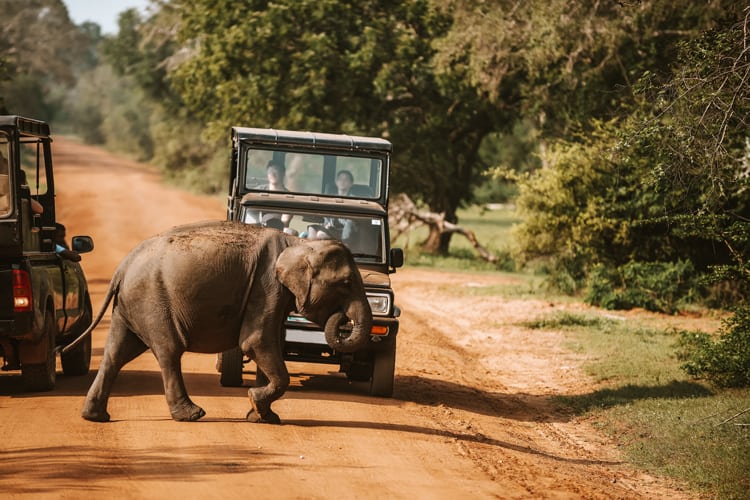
x=102 y=12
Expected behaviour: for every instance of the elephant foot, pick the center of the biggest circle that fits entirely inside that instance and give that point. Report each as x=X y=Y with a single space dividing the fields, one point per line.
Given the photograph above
x=258 y=416
x=94 y=414
x=189 y=413
x=269 y=418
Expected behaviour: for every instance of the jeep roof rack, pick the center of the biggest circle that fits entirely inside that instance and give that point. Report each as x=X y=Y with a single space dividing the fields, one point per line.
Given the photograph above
x=311 y=139
x=27 y=126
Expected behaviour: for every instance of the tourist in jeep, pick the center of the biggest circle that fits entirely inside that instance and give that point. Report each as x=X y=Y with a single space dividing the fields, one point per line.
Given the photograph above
x=276 y=174
x=61 y=245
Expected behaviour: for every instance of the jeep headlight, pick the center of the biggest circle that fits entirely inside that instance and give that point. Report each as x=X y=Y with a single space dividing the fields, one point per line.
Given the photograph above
x=380 y=303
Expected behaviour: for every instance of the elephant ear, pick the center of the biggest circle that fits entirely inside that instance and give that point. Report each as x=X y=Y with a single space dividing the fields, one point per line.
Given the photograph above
x=294 y=271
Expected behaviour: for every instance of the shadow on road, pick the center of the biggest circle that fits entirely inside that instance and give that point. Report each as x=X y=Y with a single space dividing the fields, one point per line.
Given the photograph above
x=416 y=389
x=50 y=469
x=458 y=436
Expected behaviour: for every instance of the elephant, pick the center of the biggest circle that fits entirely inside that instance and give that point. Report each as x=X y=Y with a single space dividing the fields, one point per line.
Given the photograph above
x=211 y=286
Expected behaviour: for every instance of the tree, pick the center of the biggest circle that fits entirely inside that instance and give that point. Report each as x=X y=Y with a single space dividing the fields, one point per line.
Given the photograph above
x=340 y=66
x=667 y=182
x=45 y=50
x=565 y=64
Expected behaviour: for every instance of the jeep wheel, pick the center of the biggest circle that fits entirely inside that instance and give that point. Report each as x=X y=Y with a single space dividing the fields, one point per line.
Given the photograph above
x=359 y=372
x=77 y=361
x=230 y=366
x=383 y=367
x=41 y=376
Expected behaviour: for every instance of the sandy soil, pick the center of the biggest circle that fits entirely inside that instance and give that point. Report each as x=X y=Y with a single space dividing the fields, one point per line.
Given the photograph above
x=471 y=416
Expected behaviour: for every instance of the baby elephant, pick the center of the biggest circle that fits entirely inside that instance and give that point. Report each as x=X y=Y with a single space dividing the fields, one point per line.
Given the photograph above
x=211 y=286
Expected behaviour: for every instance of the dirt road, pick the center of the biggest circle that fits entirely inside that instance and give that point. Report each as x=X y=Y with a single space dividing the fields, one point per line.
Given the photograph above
x=470 y=417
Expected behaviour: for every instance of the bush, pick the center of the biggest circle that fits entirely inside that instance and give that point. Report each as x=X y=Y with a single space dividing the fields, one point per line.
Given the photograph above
x=725 y=362
x=654 y=286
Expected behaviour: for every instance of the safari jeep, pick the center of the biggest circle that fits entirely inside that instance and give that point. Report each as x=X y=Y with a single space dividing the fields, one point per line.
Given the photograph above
x=44 y=299
x=308 y=204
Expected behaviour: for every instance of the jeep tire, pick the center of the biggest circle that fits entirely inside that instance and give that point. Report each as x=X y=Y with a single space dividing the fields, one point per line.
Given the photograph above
x=39 y=377
x=383 y=368
x=230 y=365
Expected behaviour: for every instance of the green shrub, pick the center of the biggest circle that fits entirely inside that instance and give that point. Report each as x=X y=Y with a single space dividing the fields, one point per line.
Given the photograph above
x=725 y=362
x=654 y=286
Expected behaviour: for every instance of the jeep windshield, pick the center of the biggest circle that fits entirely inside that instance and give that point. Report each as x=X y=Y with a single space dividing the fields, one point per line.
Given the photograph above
x=324 y=165
x=318 y=173
x=362 y=234
x=5 y=190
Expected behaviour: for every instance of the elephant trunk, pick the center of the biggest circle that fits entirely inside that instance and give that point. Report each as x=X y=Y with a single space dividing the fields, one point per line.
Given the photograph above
x=341 y=340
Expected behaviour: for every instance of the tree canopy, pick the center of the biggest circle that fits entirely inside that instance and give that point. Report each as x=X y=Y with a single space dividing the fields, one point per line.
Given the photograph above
x=626 y=120
x=355 y=67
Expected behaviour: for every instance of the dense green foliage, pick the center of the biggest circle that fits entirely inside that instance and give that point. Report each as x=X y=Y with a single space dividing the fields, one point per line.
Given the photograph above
x=655 y=286
x=666 y=182
x=724 y=361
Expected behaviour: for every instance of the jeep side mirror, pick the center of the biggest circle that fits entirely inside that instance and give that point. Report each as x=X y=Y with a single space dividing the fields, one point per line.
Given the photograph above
x=397 y=257
x=83 y=244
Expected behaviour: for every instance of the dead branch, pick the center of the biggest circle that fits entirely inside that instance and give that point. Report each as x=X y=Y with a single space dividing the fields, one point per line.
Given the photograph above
x=733 y=417
x=404 y=217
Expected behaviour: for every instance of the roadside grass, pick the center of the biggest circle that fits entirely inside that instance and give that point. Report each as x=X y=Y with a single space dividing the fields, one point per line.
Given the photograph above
x=663 y=421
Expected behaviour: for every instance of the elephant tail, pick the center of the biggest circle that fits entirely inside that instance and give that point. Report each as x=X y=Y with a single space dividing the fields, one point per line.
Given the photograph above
x=114 y=287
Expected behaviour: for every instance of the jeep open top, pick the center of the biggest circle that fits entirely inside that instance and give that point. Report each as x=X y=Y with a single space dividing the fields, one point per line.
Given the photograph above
x=44 y=299
x=309 y=204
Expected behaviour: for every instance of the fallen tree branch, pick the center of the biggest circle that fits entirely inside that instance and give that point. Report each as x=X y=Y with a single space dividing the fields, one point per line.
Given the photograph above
x=404 y=217
x=733 y=417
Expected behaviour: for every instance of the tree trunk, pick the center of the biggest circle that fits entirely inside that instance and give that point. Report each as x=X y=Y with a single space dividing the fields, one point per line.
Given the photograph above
x=433 y=243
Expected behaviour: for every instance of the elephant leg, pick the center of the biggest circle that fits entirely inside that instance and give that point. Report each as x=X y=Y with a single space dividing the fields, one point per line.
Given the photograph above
x=122 y=347
x=180 y=406
x=274 y=368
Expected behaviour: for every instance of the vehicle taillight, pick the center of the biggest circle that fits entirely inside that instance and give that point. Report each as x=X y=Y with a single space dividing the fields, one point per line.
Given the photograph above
x=21 y=291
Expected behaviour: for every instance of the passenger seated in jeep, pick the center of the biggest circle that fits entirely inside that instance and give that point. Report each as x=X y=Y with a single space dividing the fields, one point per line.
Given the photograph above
x=345 y=186
x=61 y=246
x=276 y=174
x=36 y=207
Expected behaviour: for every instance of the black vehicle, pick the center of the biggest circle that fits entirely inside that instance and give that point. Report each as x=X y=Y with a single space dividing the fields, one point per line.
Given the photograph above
x=44 y=299
x=311 y=204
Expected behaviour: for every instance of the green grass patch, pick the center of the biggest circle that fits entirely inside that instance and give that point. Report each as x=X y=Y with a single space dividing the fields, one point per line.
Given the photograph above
x=665 y=422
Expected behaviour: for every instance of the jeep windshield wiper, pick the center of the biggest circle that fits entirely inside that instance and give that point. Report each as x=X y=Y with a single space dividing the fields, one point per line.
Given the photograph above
x=365 y=255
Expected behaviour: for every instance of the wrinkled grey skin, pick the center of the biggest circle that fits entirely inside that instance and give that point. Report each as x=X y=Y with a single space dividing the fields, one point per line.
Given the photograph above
x=211 y=286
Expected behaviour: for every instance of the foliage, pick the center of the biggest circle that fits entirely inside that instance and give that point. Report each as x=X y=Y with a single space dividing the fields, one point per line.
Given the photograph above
x=654 y=286
x=724 y=361
x=570 y=219
x=44 y=51
x=340 y=66
x=564 y=63
x=140 y=51
x=663 y=184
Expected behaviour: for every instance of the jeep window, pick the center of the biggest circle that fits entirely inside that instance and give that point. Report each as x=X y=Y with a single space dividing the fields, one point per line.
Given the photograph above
x=5 y=190
x=362 y=235
x=314 y=173
x=33 y=163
